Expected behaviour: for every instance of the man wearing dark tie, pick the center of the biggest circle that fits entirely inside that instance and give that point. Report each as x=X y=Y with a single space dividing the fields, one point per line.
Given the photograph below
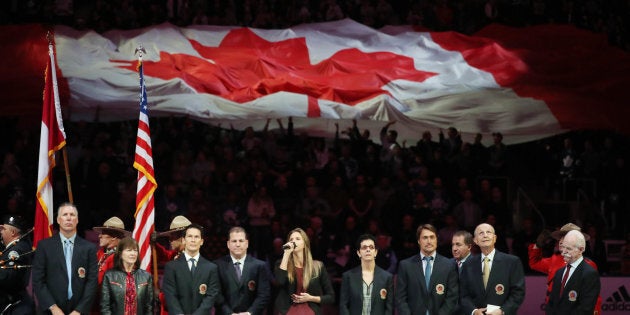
x=461 y=243
x=493 y=282
x=427 y=283
x=65 y=271
x=245 y=285
x=191 y=283
x=577 y=285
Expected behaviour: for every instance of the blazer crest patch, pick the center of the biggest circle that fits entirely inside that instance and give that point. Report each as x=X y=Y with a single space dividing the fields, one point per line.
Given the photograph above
x=439 y=289
x=573 y=296
x=203 y=288
x=499 y=289
x=81 y=272
x=251 y=285
x=383 y=294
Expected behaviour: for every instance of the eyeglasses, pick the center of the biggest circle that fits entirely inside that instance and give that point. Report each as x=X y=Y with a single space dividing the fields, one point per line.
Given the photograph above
x=365 y=247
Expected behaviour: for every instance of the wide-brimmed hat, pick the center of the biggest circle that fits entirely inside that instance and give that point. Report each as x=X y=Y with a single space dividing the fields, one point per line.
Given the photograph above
x=15 y=221
x=114 y=226
x=179 y=223
x=558 y=234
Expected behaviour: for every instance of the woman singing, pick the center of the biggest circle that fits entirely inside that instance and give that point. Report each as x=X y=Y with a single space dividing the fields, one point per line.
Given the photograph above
x=303 y=282
x=127 y=289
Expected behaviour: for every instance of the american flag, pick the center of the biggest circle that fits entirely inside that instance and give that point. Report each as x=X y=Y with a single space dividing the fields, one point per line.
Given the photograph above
x=52 y=139
x=143 y=162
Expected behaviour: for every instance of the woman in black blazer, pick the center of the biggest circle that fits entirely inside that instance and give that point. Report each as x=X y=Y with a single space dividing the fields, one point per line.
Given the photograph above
x=377 y=281
x=303 y=282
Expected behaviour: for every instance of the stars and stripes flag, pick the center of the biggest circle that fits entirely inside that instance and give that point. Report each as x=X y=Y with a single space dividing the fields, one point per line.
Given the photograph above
x=52 y=139
x=143 y=162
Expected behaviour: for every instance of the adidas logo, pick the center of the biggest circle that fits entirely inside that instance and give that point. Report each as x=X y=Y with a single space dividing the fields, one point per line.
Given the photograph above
x=618 y=301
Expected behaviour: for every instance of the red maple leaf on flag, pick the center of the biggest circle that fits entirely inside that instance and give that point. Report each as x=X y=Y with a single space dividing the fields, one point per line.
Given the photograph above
x=245 y=67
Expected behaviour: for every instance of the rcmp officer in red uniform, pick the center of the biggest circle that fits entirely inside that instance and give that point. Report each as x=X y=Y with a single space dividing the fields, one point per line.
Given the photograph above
x=112 y=231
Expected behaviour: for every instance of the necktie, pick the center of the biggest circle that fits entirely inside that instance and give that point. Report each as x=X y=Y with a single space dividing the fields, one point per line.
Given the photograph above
x=237 y=266
x=67 y=251
x=192 y=266
x=564 y=278
x=459 y=266
x=486 y=271
x=427 y=270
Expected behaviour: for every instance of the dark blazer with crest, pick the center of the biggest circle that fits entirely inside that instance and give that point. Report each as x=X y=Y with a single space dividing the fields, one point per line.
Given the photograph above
x=50 y=278
x=351 y=295
x=251 y=294
x=583 y=286
x=412 y=296
x=190 y=294
x=506 y=284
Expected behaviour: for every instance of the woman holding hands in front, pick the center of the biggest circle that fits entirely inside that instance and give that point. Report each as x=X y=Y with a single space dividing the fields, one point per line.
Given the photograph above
x=127 y=289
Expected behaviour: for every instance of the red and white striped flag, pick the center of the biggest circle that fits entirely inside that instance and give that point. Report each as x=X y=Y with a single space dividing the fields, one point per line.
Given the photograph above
x=143 y=162
x=52 y=139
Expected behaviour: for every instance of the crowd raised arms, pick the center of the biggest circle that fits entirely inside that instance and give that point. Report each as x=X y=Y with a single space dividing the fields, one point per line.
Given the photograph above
x=66 y=268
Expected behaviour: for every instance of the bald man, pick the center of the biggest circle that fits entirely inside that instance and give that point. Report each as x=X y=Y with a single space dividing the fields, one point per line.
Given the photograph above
x=491 y=283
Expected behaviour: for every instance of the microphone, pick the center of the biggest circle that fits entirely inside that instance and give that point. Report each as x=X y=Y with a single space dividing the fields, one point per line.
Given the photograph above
x=288 y=246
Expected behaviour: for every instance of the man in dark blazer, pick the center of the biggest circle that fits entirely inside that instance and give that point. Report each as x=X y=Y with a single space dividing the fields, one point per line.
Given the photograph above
x=576 y=286
x=246 y=290
x=367 y=276
x=191 y=283
x=51 y=275
x=461 y=244
x=413 y=295
x=503 y=290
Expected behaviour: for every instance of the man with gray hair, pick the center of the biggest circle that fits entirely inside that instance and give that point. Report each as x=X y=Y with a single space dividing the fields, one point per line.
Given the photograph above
x=64 y=272
x=577 y=285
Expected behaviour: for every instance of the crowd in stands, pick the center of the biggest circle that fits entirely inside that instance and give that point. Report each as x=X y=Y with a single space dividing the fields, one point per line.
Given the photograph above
x=278 y=178
x=610 y=17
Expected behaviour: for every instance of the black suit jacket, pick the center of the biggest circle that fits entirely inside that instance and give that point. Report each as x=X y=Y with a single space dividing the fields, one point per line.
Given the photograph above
x=188 y=294
x=351 y=295
x=580 y=292
x=506 y=284
x=251 y=294
x=318 y=286
x=412 y=296
x=50 y=279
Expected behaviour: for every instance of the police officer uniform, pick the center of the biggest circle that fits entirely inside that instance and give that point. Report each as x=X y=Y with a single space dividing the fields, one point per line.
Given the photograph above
x=15 y=260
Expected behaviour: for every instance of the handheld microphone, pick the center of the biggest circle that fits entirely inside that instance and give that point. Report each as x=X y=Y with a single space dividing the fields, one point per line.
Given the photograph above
x=288 y=246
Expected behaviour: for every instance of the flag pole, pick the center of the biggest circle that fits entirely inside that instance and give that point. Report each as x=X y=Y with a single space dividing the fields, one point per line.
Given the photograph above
x=49 y=37
x=67 y=169
x=140 y=51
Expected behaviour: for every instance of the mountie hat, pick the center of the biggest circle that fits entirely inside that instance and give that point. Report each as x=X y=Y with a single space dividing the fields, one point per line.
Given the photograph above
x=114 y=226
x=15 y=221
x=558 y=234
x=179 y=223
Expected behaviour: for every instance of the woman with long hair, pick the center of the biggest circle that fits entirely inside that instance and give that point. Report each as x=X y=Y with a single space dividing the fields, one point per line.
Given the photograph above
x=303 y=283
x=127 y=289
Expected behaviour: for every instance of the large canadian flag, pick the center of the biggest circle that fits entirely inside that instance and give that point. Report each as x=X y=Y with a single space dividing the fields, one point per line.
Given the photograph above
x=527 y=83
